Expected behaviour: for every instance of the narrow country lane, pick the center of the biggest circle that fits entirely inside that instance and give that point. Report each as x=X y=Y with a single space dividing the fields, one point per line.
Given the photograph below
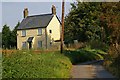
x=90 y=71
x=82 y=71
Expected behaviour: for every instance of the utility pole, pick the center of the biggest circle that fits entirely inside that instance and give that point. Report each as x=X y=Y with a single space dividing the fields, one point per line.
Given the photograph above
x=62 y=32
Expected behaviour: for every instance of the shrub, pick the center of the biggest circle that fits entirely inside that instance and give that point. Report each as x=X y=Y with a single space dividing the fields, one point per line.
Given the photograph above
x=96 y=44
x=25 y=64
x=112 y=62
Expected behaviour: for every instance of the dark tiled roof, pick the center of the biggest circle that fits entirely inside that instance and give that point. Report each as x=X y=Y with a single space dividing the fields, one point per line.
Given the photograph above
x=35 y=21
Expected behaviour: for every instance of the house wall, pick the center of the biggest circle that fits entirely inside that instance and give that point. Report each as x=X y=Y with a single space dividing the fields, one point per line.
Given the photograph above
x=54 y=25
x=46 y=36
x=31 y=33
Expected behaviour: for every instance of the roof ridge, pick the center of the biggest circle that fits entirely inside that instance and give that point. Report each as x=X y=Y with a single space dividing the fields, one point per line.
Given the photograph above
x=40 y=15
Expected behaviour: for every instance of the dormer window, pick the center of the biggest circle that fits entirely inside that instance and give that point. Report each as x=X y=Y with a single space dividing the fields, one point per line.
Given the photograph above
x=23 y=32
x=39 y=31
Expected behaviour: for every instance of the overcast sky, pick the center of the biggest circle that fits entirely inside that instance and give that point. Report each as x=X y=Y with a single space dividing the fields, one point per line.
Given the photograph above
x=12 y=12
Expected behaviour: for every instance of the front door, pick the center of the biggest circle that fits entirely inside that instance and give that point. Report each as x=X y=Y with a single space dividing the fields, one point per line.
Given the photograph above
x=30 y=45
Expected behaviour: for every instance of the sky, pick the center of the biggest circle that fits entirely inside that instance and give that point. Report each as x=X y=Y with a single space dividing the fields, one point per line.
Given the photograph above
x=0 y=15
x=12 y=12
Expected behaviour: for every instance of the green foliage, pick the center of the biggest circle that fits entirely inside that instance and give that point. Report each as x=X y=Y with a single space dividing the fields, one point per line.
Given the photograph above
x=95 y=50
x=113 y=65
x=0 y=40
x=9 y=38
x=91 y=21
x=25 y=64
x=6 y=33
x=110 y=13
x=110 y=20
x=116 y=66
x=13 y=37
x=83 y=55
x=97 y=44
x=82 y=23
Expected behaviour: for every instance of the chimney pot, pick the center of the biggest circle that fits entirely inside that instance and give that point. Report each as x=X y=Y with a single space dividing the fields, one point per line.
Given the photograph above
x=53 y=10
x=25 y=12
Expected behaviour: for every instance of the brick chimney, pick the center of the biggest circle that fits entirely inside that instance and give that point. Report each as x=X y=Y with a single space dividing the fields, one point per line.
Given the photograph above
x=25 y=12
x=53 y=10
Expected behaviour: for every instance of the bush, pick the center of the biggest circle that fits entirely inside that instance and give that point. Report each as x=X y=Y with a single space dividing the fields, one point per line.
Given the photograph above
x=96 y=44
x=112 y=62
x=25 y=64
x=115 y=65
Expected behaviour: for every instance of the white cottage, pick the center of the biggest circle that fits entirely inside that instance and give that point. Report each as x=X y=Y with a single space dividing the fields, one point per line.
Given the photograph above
x=39 y=31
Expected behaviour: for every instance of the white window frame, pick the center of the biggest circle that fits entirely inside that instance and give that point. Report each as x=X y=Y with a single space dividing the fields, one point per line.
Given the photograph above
x=24 y=45
x=39 y=44
x=23 y=32
x=39 y=31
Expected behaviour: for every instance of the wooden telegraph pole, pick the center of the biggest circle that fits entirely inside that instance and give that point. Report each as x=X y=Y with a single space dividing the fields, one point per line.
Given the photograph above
x=62 y=32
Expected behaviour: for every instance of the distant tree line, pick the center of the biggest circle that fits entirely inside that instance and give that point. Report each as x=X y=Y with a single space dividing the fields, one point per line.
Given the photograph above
x=9 y=38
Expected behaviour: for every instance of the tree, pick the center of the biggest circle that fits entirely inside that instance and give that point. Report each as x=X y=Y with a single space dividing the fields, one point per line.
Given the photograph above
x=110 y=20
x=9 y=38
x=110 y=17
x=0 y=40
x=6 y=33
x=13 y=37
x=83 y=23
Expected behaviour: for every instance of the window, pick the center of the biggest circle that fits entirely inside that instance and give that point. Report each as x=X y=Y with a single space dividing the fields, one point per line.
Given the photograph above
x=50 y=31
x=24 y=45
x=23 y=32
x=39 y=31
x=39 y=44
x=50 y=43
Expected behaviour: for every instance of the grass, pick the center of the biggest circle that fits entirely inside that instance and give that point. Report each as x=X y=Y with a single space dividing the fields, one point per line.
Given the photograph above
x=25 y=64
x=85 y=54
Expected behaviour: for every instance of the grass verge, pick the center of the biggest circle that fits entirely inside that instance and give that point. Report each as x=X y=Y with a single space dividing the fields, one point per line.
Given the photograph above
x=25 y=64
x=83 y=55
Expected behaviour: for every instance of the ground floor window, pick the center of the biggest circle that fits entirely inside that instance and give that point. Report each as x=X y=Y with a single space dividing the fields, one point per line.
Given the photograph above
x=39 y=44
x=50 y=43
x=24 y=44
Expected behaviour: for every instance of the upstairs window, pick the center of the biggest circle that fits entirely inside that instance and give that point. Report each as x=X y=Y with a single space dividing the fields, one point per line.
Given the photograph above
x=23 y=32
x=39 y=31
x=50 y=31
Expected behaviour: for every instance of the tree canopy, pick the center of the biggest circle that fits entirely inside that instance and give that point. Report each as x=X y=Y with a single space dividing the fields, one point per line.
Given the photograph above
x=9 y=38
x=90 y=21
x=83 y=23
x=6 y=33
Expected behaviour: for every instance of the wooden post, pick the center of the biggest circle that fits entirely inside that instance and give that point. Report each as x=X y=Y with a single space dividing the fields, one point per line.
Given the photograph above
x=62 y=32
